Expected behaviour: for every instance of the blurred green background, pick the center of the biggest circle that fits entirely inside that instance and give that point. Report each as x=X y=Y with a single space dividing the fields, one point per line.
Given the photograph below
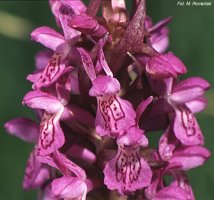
x=191 y=38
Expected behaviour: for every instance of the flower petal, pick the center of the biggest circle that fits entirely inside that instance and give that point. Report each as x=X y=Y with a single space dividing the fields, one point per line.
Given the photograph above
x=158 y=34
x=186 y=95
x=63 y=86
x=104 y=85
x=75 y=7
x=47 y=194
x=42 y=58
x=155 y=184
x=186 y=127
x=190 y=157
x=34 y=76
x=24 y=128
x=191 y=83
x=197 y=105
x=51 y=134
x=171 y=193
x=142 y=107
x=37 y=99
x=87 y=63
x=55 y=6
x=63 y=164
x=36 y=173
x=68 y=10
x=160 y=40
x=182 y=181
x=69 y=188
x=167 y=144
x=114 y=116
x=133 y=136
x=188 y=90
x=127 y=172
x=165 y=66
x=101 y=58
x=87 y=25
x=48 y=37
x=53 y=70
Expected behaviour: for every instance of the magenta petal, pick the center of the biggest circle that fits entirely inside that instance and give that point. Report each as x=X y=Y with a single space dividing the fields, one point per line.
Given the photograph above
x=165 y=66
x=66 y=166
x=87 y=63
x=133 y=136
x=53 y=70
x=75 y=7
x=23 y=128
x=69 y=188
x=84 y=23
x=171 y=193
x=37 y=99
x=188 y=90
x=186 y=95
x=34 y=76
x=104 y=85
x=155 y=184
x=63 y=86
x=161 y=24
x=66 y=13
x=48 y=37
x=63 y=164
x=82 y=153
x=190 y=157
x=191 y=83
x=127 y=172
x=114 y=115
x=182 y=181
x=167 y=144
x=142 y=107
x=186 y=127
x=47 y=194
x=160 y=40
x=87 y=25
x=51 y=134
x=101 y=58
x=42 y=58
x=197 y=105
x=36 y=173
x=55 y=6
x=159 y=34
x=75 y=89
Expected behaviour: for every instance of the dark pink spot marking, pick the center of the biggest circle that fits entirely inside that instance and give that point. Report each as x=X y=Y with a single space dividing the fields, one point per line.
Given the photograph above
x=116 y=109
x=128 y=165
x=111 y=111
x=52 y=69
x=30 y=166
x=47 y=133
x=188 y=121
